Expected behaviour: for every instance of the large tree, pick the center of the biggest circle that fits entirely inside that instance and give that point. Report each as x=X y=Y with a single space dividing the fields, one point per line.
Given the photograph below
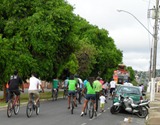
x=46 y=37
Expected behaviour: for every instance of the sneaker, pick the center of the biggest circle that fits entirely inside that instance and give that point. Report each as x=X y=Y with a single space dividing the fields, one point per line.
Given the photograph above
x=82 y=113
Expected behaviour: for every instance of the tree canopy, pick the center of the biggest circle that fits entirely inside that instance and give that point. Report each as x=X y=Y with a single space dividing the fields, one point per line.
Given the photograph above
x=46 y=37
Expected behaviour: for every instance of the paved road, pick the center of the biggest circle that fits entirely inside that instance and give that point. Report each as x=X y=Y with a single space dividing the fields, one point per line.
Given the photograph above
x=56 y=113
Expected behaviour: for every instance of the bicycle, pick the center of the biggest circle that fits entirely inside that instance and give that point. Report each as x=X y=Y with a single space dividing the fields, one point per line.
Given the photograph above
x=13 y=105
x=31 y=106
x=65 y=93
x=54 y=94
x=90 y=109
x=72 y=103
x=105 y=92
x=79 y=95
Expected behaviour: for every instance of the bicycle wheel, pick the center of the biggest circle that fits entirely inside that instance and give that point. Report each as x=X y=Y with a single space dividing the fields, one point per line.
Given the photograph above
x=56 y=95
x=91 y=110
x=9 y=108
x=53 y=95
x=29 y=109
x=17 y=107
x=38 y=108
x=65 y=94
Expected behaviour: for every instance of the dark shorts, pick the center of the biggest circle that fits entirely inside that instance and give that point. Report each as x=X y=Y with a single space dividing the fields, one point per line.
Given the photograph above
x=73 y=93
x=90 y=96
x=12 y=92
x=112 y=90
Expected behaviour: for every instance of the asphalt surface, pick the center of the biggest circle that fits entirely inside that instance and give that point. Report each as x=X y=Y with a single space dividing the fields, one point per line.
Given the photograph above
x=56 y=113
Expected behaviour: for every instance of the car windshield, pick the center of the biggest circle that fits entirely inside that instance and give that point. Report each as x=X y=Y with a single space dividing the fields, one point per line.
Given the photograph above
x=129 y=90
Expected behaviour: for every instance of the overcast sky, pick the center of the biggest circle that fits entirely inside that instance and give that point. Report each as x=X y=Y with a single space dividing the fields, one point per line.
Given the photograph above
x=129 y=35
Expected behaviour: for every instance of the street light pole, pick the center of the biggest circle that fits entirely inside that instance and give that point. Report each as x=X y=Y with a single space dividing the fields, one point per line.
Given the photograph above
x=136 y=19
x=155 y=38
x=152 y=94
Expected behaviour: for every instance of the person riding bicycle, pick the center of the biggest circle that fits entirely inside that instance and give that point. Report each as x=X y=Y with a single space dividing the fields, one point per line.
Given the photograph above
x=79 y=88
x=34 y=84
x=55 y=86
x=14 y=83
x=72 y=86
x=90 y=94
x=65 y=85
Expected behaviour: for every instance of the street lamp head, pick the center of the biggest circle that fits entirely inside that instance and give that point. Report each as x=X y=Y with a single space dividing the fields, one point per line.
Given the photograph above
x=136 y=19
x=119 y=10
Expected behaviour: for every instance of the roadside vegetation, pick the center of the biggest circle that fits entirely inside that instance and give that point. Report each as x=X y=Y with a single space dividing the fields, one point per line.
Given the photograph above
x=46 y=37
x=24 y=97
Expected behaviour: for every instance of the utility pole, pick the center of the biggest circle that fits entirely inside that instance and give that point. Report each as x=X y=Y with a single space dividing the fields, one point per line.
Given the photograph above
x=156 y=17
x=150 y=66
x=155 y=38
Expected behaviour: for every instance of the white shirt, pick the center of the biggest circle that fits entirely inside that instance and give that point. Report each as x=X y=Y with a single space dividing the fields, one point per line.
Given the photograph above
x=80 y=82
x=112 y=84
x=34 y=83
x=102 y=99
x=140 y=87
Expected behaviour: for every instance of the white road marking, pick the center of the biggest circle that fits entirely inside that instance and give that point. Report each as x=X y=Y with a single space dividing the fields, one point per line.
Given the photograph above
x=83 y=123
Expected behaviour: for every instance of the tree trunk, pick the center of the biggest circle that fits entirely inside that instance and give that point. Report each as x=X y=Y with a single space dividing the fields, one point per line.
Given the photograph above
x=4 y=91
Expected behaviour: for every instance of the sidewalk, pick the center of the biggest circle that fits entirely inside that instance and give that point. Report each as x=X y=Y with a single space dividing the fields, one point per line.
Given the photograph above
x=154 y=111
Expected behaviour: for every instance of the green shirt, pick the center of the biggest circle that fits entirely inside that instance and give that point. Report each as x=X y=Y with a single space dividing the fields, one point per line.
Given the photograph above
x=89 y=88
x=98 y=86
x=72 y=85
x=55 y=83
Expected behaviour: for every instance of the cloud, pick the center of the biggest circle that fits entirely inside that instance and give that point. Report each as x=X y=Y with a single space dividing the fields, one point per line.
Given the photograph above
x=129 y=35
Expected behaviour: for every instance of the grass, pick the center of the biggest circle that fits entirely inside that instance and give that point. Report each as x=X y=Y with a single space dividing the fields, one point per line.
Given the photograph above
x=24 y=97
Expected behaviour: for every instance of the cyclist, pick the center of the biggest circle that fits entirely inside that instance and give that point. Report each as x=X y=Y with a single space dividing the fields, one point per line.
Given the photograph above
x=34 y=84
x=98 y=89
x=65 y=85
x=72 y=86
x=90 y=95
x=55 y=86
x=14 y=83
x=79 y=88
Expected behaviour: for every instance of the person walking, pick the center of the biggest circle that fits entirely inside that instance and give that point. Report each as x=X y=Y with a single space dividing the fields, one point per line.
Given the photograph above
x=98 y=89
x=102 y=102
x=112 y=87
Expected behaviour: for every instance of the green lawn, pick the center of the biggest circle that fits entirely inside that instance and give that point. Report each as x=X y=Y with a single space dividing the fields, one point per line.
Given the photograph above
x=24 y=97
